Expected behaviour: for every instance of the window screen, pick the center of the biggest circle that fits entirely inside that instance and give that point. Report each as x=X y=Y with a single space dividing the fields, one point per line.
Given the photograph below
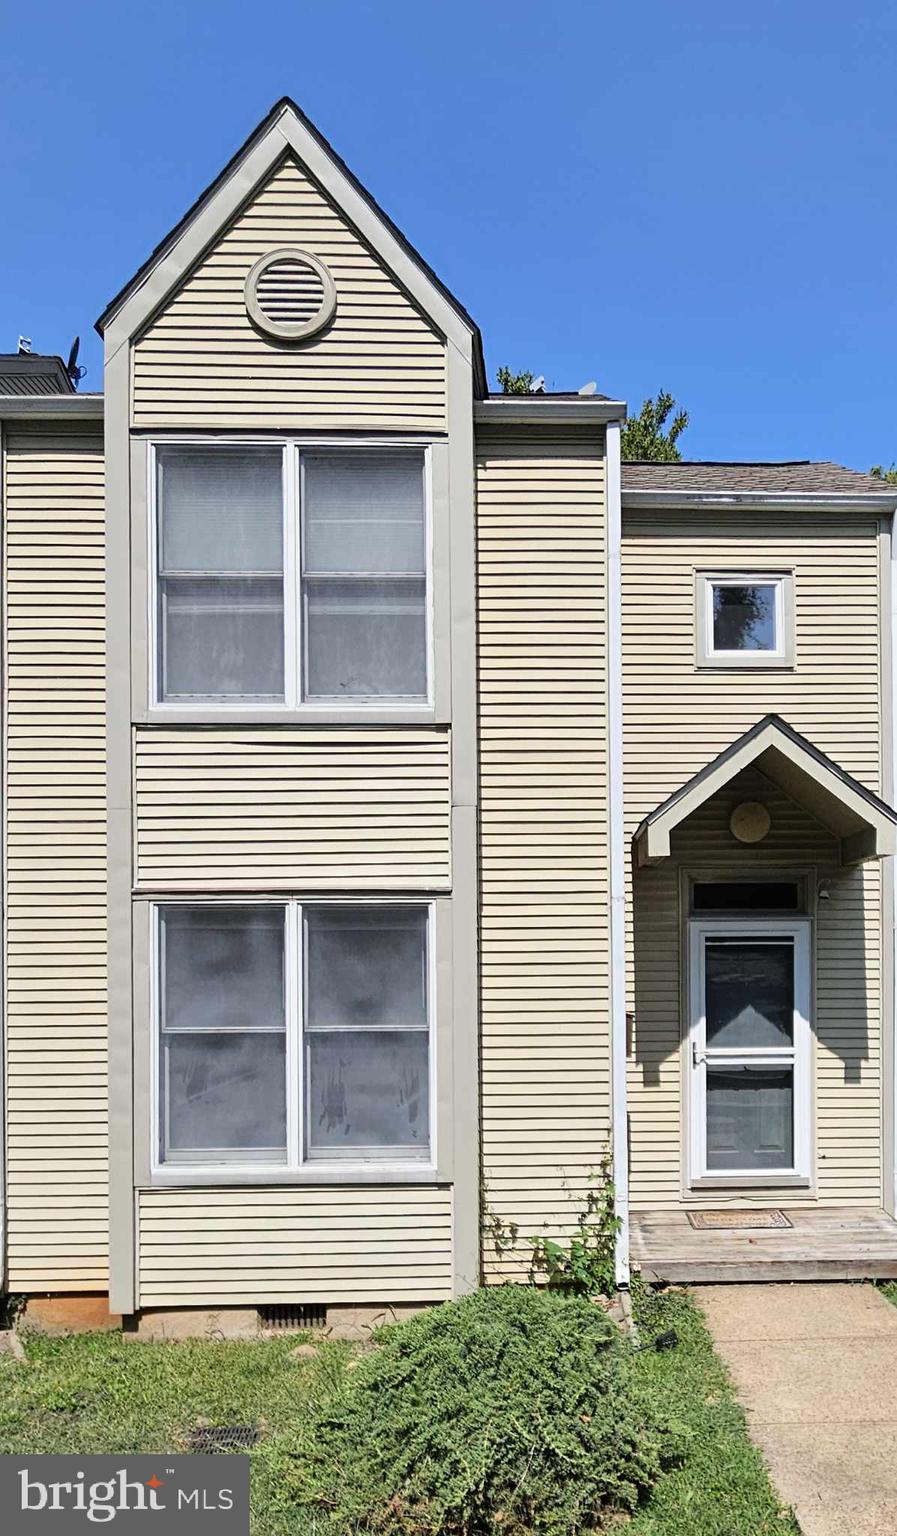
x=220 y=573
x=364 y=576
x=367 y=1032
x=223 y=1033
x=238 y=983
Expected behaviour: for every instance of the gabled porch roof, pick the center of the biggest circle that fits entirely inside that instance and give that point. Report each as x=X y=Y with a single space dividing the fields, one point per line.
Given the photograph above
x=865 y=826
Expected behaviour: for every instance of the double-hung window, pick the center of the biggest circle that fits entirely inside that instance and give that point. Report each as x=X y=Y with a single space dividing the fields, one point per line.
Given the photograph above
x=290 y=577
x=292 y=1033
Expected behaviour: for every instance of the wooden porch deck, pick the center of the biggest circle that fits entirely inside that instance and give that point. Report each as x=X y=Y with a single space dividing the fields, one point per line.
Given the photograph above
x=834 y=1243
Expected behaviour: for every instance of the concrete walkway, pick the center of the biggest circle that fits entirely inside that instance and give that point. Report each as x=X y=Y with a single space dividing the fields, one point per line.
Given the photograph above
x=815 y=1367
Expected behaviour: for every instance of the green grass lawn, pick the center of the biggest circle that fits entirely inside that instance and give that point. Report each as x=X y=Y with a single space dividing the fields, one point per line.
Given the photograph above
x=722 y=1488
x=99 y=1392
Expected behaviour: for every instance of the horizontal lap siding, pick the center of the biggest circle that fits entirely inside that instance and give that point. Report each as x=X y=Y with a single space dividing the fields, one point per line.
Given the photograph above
x=543 y=750
x=675 y=721
x=216 y=1247
x=201 y=363
x=286 y=809
x=56 y=864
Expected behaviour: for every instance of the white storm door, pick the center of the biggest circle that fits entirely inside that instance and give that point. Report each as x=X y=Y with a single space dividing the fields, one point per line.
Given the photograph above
x=749 y=1057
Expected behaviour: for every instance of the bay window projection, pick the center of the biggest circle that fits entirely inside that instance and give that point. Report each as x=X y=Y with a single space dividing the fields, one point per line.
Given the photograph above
x=287 y=576
x=292 y=1033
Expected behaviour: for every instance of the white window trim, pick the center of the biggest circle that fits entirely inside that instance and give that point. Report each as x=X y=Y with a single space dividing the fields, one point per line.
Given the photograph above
x=296 y=1165
x=799 y=1055
x=708 y=655
x=292 y=705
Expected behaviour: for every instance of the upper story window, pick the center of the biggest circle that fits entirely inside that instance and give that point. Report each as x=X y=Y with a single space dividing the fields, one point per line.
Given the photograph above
x=745 y=619
x=289 y=577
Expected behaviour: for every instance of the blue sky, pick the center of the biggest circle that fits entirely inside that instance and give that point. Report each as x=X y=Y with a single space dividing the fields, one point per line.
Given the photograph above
x=693 y=196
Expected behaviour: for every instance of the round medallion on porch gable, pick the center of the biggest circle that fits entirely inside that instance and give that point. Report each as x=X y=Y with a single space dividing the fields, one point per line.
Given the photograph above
x=750 y=821
x=290 y=294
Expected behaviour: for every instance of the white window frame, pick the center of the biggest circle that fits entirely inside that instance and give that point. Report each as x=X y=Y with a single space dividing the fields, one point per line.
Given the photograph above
x=798 y=1055
x=293 y=703
x=296 y=1162
x=783 y=653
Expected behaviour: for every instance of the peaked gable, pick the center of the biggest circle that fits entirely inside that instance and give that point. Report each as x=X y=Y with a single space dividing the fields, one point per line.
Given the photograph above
x=286 y=132
x=202 y=362
x=862 y=821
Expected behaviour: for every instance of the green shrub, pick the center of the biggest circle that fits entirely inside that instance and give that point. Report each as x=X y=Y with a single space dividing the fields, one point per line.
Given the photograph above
x=514 y=1410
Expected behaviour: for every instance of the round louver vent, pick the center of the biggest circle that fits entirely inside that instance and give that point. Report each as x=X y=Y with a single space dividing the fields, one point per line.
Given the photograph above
x=290 y=294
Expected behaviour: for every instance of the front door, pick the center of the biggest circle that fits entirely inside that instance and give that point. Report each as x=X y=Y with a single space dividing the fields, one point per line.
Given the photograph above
x=749 y=1052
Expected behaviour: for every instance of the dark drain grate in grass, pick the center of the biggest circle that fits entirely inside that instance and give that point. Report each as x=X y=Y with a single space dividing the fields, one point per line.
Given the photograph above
x=290 y=1317
x=223 y=1437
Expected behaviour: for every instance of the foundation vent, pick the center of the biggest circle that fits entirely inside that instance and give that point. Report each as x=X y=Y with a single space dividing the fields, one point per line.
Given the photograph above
x=289 y=1318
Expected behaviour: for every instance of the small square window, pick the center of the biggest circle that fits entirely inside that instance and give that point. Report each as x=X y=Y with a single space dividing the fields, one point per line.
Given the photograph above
x=745 y=620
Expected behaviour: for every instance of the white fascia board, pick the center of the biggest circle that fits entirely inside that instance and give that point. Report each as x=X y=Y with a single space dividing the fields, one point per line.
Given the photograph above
x=531 y=410
x=51 y=407
x=762 y=501
x=284 y=136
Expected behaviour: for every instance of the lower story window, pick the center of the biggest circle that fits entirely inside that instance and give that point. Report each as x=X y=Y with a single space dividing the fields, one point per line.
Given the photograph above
x=292 y=1033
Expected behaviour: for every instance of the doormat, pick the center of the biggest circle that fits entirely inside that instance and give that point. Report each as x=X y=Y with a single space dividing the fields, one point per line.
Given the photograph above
x=736 y=1221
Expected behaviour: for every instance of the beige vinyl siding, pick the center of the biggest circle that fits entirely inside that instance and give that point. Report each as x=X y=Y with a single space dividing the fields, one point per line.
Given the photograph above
x=328 y=809
x=543 y=746
x=201 y=363
x=216 y=1247
x=56 y=863
x=676 y=719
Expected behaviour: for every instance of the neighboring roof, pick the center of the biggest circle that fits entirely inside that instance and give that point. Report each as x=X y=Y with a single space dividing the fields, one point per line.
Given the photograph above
x=286 y=104
x=799 y=475
x=71 y=407
x=545 y=394
x=862 y=822
x=30 y=373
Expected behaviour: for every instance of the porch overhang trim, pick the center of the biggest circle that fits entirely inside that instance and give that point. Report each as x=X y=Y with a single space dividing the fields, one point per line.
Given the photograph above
x=864 y=825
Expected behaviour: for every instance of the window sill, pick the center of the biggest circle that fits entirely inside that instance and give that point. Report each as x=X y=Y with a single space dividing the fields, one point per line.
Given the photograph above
x=754 y=663
x=749 y=1181
x=309 y=714
x=195 y=1177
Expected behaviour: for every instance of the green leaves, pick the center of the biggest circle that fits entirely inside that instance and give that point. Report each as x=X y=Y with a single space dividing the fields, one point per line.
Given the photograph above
x=643 y=436
x=586 y=1266
x=514 y=383
x=512 y=1410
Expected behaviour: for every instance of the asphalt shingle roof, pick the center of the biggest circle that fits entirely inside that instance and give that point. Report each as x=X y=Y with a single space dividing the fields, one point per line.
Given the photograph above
x=801 y=475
